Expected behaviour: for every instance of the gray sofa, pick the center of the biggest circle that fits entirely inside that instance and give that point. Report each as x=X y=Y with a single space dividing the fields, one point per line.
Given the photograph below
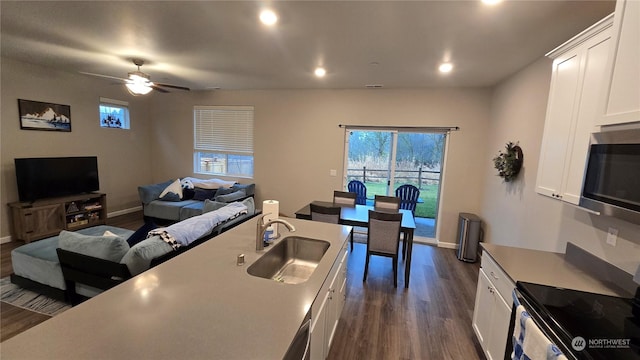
x=36 y=265
x=191 y=203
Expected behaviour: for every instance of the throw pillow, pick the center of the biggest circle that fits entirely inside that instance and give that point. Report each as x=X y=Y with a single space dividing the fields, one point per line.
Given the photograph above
x=141 y=233
x=223 y=191
x=249 y=189
x=210 y=205
x=237 y=195
x=204 y=194
x=170 y=197
x=175 y=188
x=188 y=194
x=138 y=258
x=110 y=248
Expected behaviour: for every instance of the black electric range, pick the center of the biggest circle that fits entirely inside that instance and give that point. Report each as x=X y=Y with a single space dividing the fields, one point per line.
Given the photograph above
x=588 y=325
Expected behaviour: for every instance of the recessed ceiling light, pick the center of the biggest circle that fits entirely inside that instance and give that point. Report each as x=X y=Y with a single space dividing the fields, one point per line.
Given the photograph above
x=268 y=17
x=320 y=72
x=491 y=2
x=445 y=67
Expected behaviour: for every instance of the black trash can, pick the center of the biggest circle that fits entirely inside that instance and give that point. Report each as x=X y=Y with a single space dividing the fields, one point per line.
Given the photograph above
x=469 y=233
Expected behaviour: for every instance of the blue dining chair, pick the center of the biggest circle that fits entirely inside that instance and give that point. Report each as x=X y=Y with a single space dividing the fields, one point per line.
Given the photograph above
x=360 y=189
x=408 y=195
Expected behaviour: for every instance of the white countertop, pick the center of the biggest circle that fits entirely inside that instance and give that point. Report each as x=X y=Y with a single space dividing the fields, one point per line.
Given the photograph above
x=197 y=305
x=545 y=268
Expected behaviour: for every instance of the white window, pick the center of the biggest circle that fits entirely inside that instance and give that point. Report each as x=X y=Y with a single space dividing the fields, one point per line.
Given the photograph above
x=114 y=113
x=223 y=140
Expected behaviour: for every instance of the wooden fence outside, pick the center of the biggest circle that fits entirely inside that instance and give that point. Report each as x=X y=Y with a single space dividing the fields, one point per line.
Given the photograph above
x=420 y=177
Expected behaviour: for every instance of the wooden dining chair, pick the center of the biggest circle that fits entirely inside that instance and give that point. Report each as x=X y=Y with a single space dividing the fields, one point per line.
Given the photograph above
x=344 y=198
x=328 y=214
x=383 y=239
x=386 y=203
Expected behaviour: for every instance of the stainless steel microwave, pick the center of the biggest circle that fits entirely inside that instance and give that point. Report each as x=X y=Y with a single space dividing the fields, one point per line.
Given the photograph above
x=612 y=178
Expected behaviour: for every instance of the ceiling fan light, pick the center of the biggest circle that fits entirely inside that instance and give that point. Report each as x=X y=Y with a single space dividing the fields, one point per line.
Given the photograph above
x=137 y=77
x=268 y=17
x=138 y=87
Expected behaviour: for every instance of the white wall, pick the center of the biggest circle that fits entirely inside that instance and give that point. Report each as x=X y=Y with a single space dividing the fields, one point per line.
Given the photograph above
x=123 y=155
x=297 y=139
x=515 y=214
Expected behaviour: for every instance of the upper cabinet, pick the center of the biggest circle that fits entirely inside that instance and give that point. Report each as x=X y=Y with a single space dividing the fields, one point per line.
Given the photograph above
x=577 y=79
x=621 y=100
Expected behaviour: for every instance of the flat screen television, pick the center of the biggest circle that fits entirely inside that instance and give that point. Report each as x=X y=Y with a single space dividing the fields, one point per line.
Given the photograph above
x=40 y=178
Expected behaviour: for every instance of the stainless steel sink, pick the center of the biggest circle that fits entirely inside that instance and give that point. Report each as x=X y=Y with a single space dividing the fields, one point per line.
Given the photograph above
x=291 y=261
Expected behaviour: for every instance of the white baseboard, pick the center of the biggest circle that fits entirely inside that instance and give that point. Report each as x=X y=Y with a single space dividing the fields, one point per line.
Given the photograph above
x=124 y=212
x=6 y=239
x=432 y=241
x=447 y=245
x=425 y=240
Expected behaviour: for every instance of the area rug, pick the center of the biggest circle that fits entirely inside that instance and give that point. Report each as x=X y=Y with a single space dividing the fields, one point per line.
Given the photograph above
x=29 y=300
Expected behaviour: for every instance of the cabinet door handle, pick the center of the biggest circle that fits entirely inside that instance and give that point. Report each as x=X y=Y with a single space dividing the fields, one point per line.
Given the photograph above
x=493 y=275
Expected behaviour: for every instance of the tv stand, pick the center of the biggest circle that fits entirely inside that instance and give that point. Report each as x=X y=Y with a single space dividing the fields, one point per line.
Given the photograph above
x=47 y=217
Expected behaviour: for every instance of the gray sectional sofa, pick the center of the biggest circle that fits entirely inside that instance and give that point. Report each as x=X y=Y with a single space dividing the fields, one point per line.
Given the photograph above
x=36 y=265
x=192 y=201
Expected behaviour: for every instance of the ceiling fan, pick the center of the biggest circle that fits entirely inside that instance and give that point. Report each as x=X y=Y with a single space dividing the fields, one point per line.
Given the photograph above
x=139 y=83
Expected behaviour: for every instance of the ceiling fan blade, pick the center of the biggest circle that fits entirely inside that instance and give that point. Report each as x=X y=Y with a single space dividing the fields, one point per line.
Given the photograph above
x=104 y=76
x=173 y=86
x=157 y=88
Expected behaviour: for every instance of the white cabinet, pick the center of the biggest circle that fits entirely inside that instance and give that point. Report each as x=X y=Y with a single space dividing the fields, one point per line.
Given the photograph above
x=492 y=311
x=577 y=79
x=337 y=298
x=621 y=100
x=326 y=309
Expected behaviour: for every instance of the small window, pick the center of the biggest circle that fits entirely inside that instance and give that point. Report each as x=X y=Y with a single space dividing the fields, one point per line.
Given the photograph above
x=223 y=140
x=114 y=114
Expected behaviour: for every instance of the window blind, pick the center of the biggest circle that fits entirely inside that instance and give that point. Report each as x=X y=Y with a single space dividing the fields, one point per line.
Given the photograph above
x=226 y=129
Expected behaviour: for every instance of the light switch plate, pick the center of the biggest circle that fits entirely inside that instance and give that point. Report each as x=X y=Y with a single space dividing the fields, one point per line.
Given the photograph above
x=612 y=236
x=333 y=172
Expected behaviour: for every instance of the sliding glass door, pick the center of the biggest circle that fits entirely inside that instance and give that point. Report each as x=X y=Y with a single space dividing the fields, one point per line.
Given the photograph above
x=385 y=160
x=370 y=160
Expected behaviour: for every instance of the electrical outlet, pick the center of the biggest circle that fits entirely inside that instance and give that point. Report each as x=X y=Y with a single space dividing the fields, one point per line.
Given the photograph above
x=612 y=236
x=333 y=172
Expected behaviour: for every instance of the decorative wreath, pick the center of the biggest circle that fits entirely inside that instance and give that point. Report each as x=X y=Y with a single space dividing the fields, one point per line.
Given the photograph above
x=509 y=163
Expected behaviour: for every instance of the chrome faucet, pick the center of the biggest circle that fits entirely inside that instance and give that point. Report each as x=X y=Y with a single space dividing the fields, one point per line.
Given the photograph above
x=261 y=229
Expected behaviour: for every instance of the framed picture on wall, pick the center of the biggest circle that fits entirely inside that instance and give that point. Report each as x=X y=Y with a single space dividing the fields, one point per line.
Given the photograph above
x=37 y=115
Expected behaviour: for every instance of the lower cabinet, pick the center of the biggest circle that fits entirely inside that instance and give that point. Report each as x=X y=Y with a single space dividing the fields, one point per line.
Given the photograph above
x=492 y=311
x=326 y=310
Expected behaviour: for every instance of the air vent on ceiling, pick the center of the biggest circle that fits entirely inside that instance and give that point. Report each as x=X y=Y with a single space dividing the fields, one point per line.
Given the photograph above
x=374 y=86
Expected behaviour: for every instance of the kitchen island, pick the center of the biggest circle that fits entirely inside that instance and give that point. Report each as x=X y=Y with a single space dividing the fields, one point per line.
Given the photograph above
x=200 y=304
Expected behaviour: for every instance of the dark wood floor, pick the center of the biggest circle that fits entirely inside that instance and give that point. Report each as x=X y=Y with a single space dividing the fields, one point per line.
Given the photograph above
x=14 y=320
x=430 y=320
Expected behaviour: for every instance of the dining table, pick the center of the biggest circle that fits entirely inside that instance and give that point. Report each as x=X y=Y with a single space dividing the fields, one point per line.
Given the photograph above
x=358 y=215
